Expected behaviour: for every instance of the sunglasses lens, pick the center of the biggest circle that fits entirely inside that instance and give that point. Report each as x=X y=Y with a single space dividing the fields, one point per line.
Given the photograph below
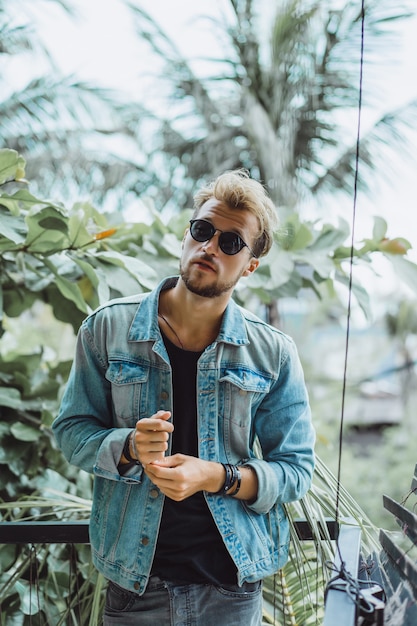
x=201 y=230
x=230 y=243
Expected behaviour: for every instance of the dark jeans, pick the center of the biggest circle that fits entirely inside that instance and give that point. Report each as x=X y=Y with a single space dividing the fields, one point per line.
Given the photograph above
x=169 y=604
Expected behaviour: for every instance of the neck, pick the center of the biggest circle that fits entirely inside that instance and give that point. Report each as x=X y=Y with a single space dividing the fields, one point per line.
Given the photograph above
x=190 y=321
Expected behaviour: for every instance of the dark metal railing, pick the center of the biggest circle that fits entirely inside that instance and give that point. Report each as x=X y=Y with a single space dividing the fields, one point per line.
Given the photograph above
x=77 y=531
x=339 y=608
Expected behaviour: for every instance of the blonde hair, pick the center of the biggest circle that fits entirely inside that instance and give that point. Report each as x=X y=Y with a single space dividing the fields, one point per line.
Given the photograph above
x=239 y=191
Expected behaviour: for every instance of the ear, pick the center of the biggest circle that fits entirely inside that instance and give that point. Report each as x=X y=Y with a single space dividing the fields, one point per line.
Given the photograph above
x=252 y=266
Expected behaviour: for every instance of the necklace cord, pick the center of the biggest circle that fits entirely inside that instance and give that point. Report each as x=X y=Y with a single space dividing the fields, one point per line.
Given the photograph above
x=172 y=330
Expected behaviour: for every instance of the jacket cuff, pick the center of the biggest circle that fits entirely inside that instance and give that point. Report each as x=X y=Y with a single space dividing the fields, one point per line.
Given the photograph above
x=108 y=457
x=267 y=486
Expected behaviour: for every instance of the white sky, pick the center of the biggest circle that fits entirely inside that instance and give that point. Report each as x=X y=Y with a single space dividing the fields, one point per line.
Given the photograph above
x=101 y=46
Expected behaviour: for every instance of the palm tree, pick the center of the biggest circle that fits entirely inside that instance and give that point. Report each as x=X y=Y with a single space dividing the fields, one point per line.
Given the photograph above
x=271 y=102
x=66 y=129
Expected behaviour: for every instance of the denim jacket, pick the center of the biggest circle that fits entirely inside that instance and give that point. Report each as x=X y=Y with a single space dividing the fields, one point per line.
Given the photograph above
x=252 y=409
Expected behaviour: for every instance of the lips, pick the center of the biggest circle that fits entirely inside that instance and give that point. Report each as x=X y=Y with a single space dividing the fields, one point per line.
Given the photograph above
x=204 y=264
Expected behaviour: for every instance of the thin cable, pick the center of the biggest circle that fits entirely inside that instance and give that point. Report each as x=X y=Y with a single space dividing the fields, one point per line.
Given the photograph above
x=349 y=308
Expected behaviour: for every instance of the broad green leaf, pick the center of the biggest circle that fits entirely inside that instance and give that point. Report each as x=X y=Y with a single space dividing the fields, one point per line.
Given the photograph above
x=321 y=263
x=406 y=270
x=119 y=282
x=47 y=229
x=78 y=233
x=12 y=228
x=380 y=228
x=90 y=214
x=88 y=270
x=294 y=235
x=360 y=293
x=24 y=432
x=68 y=289
x=144 y=274
x=15 y=301
x=179 y=222
x=71 y=291
x=330 y=237
x=12 y=165
x=22 y=200
x=10 y=397
x=30 y=603
x=64 y=310
x=103 y=290
x=171 y=244
x=281 y=267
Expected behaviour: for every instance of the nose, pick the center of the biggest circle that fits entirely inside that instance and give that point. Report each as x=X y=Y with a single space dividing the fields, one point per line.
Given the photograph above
x=211 y=246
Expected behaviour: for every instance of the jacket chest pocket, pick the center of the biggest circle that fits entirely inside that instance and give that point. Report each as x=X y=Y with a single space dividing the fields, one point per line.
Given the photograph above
x=128 y=388
x=241 y=389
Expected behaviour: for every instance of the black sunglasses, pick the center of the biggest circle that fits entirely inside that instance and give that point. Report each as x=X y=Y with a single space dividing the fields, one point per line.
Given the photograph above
x=229 y=242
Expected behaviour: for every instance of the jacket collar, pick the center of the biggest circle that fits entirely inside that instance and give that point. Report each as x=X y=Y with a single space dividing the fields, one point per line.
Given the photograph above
x=145 y=326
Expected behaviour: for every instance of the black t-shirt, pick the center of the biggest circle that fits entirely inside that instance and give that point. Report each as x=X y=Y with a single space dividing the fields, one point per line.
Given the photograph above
x=190 y=548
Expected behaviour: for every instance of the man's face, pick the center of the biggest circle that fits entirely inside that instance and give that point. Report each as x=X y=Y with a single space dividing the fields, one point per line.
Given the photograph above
x=205 y=269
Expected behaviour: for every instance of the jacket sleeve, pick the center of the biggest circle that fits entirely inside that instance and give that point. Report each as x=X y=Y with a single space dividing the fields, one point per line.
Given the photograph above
x=286 y=437
x=84 y=428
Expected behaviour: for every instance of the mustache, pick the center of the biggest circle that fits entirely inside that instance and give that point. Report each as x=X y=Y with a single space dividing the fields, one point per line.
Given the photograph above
x=206 y=258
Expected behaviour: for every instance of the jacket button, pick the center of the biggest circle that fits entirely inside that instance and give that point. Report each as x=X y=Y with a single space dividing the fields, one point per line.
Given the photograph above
x=154 y=493
x=164 y=395
x=136 y=586
x=145 y=541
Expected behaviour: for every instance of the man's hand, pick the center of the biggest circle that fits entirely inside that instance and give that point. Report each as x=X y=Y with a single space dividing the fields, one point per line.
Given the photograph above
x=150 y=437
x=180 y=476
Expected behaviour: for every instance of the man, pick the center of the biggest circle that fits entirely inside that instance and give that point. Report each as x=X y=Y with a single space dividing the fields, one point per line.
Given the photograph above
x=193 y=415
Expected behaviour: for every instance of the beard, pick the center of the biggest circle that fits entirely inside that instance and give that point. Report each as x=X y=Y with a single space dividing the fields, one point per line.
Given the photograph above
x=206 y=291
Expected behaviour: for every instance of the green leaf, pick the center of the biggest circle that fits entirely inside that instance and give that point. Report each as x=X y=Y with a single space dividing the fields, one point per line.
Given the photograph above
x=406 y=270
x=88 y=270
x=171 y=244
x=78 y=233
x=12 y=165
x=47 y=229
x=331 y=237
x=30 y=603
x=68 y=289
x=12 y=228
x=281 y=267
x=380 y=228
x=24 y=432
x=71 y=291
x=15 y=301
x=144 y=274
x=360 y=293
x=295 y=235
x=10 y=397
x=22 y=200
x=321 y=263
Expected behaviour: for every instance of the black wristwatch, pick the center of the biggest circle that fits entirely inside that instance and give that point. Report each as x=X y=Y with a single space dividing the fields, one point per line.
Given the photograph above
x=126 y=452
